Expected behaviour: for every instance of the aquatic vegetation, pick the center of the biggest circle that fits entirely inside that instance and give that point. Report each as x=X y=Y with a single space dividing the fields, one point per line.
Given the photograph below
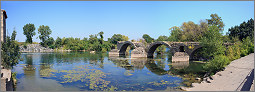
x=48 y=72
x=93 y=78
x=29 y=68
x=128 y=72
x=161 y=83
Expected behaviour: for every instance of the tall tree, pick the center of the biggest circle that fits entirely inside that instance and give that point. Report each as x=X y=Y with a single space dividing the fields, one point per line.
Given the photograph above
x=118 y=37
x=212 y=43
x=162 y=38
x=44 y=32
x=101 y=37
x=175 y=34
x=217 y=21
x=147 y=38
x=58 y=42
x=191 y=31
x=29 y=31
x=244 y=30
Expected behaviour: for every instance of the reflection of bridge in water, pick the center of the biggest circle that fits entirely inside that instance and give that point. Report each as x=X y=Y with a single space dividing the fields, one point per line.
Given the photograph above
x=150 y=64
x=181 y=51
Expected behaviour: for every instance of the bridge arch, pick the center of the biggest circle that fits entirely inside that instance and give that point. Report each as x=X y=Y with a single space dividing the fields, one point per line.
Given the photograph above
x=152 y=47
x=122 y=46
x=193 y=51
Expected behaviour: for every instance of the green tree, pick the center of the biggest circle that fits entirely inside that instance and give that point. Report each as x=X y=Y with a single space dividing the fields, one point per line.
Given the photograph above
x=29 y=31
x=176 y=34
x=10 y=52
x=101 y=37
x=44 y=32
x=245 y=29
x=147 y=38
x=162 y=38
x=191 y=31
x=217 y=21
x=93 y=39
x=212 y=43
x=50 y=42
x=58 y=42
x=118 y=37
x=247 y=46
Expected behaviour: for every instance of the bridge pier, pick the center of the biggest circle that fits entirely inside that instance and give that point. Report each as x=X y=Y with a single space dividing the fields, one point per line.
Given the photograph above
x=114 y=53
x=139 y=52
x=180 y=56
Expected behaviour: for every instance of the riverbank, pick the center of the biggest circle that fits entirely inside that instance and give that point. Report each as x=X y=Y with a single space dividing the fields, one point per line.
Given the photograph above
x=233 y=78
x=38 y=48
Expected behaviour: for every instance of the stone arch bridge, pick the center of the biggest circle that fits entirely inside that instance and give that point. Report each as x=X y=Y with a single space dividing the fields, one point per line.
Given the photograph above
x=184 y=49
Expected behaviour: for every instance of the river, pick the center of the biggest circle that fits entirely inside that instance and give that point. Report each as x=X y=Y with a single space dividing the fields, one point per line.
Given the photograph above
x=82 y=71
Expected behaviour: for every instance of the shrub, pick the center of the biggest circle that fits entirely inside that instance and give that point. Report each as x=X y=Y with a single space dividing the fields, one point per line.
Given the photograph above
x=233 y=52
x=10 y=52
x=216 y=64
x=247 y=46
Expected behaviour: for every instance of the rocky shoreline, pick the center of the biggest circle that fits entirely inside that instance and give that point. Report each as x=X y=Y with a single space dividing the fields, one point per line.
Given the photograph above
x=38 y=48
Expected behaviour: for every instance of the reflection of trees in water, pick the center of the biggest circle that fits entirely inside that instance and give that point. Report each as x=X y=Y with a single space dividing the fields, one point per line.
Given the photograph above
x=73 y=57
x=47 y=58
x=29 y=69
x=29 y=59
x=122 y=63
x=138 y=63
x=169 y=56
x=134 y=64
x=180 y=64
x=154 y=68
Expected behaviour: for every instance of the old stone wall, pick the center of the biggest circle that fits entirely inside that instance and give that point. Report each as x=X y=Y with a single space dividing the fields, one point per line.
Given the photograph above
x=6 y=80
x=3 y=25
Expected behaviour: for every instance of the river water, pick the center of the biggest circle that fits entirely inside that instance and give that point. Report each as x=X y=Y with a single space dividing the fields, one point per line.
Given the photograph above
x=82 y=71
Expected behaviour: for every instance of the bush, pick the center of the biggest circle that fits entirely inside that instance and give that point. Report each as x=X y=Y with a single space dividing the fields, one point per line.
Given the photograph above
x=216 y=64
x=10 y=52
x=233 y=52
x=247 y=46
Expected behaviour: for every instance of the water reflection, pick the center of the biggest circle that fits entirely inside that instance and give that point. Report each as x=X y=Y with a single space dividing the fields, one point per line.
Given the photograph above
x=156 y=66
x=180 y=64
x=122 y=73
x=29 y=69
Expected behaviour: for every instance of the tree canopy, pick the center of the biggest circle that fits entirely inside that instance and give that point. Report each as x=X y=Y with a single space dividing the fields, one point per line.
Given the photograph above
x=29 y=31
x=118 y=37
x=217 y=21
x=147 y=38
x=44 y=32
x=245 y=29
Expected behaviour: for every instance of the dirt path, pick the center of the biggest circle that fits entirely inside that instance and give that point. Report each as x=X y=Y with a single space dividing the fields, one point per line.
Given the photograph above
x=231 y=79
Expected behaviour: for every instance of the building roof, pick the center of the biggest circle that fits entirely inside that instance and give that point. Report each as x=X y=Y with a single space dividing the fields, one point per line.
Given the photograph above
x=4 y=12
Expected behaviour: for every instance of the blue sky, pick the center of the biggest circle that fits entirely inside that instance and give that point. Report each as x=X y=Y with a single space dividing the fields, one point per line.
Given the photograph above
x=130 y=18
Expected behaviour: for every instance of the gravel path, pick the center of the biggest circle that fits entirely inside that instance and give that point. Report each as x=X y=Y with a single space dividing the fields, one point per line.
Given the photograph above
x=231 y=79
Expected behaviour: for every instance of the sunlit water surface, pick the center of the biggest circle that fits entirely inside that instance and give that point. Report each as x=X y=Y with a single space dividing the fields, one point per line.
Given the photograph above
x=82 y=71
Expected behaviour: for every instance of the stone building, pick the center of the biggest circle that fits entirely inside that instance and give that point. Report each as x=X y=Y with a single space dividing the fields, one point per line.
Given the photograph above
x=3 y=25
